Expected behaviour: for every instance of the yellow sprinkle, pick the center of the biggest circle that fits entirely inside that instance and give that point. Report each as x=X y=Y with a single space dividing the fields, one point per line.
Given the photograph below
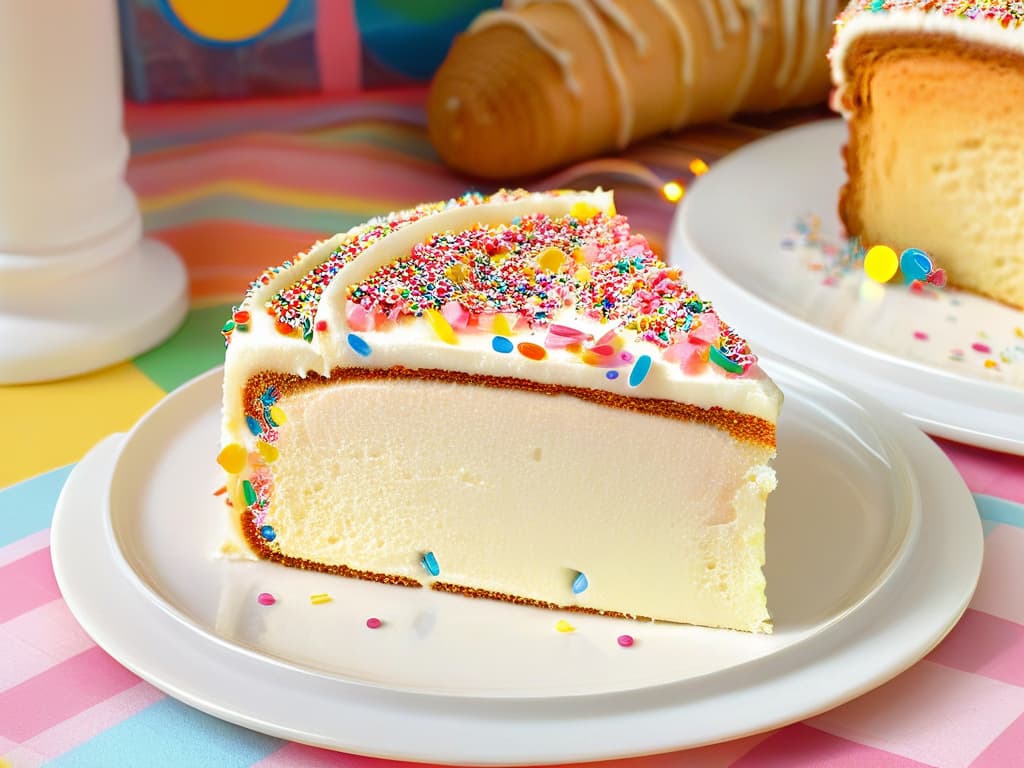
x=1019 y=332
x=501 y=326
x=611 y=209
x=456 y=273
x=551 y=259
x=990 y=363
x=232 y=457
x=583 y=211
x=500 y=256
x=277 y=415
x=579 y=256
x=320 y=599
x=441 y=326
x=583 y=275
x=698 y=167
x=881 y=263
x=673 y=191
x=564 y=626
x=267 y=451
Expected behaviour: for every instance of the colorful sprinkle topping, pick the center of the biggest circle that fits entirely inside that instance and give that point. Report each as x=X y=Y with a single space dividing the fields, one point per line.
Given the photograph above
x=1009 y=14
x=526 y=273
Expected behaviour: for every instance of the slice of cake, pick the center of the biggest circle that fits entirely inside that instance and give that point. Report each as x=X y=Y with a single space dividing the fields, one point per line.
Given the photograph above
x=934 y=95
x=505 y=397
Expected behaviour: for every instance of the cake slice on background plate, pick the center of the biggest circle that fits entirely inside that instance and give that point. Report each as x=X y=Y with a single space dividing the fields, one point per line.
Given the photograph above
x=933 y=91
x=507 y=397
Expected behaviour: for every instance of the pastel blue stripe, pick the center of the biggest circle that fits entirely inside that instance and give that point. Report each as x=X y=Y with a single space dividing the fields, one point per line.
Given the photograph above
x=169 y=733
x=998 y=510
x=27 y=507
x=987 y=526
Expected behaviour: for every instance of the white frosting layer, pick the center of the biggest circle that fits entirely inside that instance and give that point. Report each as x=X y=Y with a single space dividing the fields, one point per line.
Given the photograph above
x=413 y=343
x=982 y=31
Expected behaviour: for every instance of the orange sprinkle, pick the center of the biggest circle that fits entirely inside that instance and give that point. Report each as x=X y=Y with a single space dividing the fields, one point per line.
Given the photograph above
x=221 y=491
x=698 y=167
x=284 y=328
x=990 y=363
x=532 y=351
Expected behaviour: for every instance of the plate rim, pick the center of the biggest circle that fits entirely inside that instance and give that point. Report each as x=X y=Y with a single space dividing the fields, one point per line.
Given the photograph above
x=660 y=702
x=685 y=252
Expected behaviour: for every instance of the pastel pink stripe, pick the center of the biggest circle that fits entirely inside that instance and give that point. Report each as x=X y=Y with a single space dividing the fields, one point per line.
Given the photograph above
x=26 y=584
x=986 y=645
x=26 y=546
x=988 y=472
x=78 y=729
x=1006 y=750
x=38 y=640
x=801 y=745
x=23 y=757
x=361 y=171
x=61 y=692
x=337 y=47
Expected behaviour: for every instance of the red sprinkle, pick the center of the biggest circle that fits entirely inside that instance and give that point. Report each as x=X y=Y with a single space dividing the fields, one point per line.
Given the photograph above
x=265 y=598
x=374 y=623
x=241 y=316
x=979 y=347
x=321 y=325
x=625 y=640
x=920 y=335
x=532 y=351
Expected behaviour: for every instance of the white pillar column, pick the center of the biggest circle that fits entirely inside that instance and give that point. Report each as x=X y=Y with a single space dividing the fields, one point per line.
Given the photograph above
x=79 y=287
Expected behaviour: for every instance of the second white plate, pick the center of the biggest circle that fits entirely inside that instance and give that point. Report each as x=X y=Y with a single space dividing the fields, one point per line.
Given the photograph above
x=867 y=569
x=951 y=361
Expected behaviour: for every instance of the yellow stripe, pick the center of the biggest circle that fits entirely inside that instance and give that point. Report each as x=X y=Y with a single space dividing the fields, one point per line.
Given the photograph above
x=265 y=193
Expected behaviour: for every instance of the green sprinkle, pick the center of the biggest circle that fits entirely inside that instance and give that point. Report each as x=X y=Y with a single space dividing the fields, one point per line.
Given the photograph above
x=249 y=492
x=724 y=362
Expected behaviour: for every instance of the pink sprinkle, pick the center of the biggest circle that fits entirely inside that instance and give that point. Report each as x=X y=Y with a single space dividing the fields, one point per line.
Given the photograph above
x=374 y=623
x=938 y=278
x=626 y=357
x=456 y=315
x=920 y=335
x=265 y=598
x=979 y=347
x=625 y=640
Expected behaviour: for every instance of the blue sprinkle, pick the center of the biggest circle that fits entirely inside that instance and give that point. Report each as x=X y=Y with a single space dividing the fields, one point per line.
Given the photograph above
x=612 y=375
x=915 y=264
x=429 y=563
x=641 y=368
x=580 y=584
x=359 y=346
x=268 y=532
x=254 y=425
x=501 y=344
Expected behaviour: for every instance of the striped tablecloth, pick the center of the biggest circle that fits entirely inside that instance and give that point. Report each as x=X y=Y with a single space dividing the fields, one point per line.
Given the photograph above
x=236 y=187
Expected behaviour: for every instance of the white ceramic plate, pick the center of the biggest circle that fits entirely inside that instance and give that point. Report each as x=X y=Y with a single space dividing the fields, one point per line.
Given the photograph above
x=868 y=567
x=736 y=237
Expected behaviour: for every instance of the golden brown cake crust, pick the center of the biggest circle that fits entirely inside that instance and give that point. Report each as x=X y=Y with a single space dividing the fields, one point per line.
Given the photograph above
x=740 y=426
x=865 y=54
